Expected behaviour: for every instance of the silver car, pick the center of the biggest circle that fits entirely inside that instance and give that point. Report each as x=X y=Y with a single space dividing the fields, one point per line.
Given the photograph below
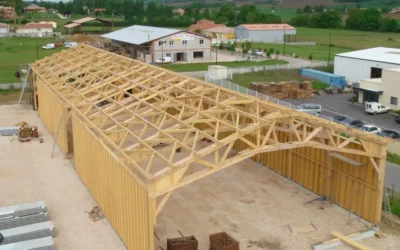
x=310 y=108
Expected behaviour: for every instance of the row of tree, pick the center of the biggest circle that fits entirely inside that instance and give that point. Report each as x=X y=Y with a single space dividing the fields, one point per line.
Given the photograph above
x=358 y=19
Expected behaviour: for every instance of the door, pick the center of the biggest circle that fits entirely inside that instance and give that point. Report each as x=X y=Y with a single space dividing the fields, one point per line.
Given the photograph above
x=180 y=57
x=370 y=97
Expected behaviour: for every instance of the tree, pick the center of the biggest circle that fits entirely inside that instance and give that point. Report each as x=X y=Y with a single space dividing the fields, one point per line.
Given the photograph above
x=370 y=19
x=206 y=14
x=389 y=25
x=61 y=7
x=301 y=20
x=354 y=19
x=307 y=9
x=330 y=19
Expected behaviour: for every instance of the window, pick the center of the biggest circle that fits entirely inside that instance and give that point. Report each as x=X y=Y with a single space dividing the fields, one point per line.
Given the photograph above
x=160 y=43
x=168 y=54
x=184 y=42
x=201 y=41
x=171 y=43
x=373 y=129
x=376 y=72
x=198 y=54
x=393 y=100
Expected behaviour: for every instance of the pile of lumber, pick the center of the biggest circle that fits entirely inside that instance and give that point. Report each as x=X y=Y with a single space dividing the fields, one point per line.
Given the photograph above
x=284 y=90
x=26 y=131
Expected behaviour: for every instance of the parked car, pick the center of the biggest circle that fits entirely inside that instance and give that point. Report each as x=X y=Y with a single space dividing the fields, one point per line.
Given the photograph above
x=390 y=134
x=165 y=59
x=397 y=119
x=258 y=52
x=375 y=108
x=371 y=129
x=338 y=118
x=352 y=122
x=310 y=108
x=70 y=44
x=49 y=46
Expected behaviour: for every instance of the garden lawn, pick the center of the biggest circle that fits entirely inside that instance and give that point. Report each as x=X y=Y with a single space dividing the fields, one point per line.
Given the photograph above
x=20 y=50
x=188 y=67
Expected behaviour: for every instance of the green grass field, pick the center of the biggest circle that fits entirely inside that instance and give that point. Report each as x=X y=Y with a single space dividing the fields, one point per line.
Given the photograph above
x=16 y=51
x=204 y=66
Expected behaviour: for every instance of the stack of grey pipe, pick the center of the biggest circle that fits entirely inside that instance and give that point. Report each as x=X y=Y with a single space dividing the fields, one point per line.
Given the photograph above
x=26 y=227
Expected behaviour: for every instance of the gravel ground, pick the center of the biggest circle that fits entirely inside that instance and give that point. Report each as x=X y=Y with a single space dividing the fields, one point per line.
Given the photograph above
x=29 y=174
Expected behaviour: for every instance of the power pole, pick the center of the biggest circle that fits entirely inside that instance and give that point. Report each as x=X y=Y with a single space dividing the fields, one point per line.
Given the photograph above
x=329 y=50
x=284 y=41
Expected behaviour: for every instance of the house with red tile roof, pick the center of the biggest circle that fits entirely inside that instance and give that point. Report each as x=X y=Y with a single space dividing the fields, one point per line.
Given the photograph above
x=203 y=25
x=264 y=32
x=39 y=28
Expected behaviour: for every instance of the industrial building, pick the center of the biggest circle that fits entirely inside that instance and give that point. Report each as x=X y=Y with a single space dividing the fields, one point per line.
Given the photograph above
x=264 y=32
x=220 y=34
x=366 y=64
x=150 y=44
x=138 y=132
x=385 y=90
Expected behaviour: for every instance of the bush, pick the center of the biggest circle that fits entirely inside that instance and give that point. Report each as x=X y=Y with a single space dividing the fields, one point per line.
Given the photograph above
x=268 y=54
x=24 y=21
x=245 y=51
x=310 y=57
x=271 y=50
x=277 y=52
x=296 y=56
x=221 y=46
x=265 y=50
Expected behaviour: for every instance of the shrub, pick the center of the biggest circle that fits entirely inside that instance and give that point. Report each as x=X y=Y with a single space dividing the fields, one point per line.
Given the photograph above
x=296 y=56
x=24 y=21
x=277 y=52
x=268 y=54
x=310 y=57
x=245 y=51
x=271 y=50
x=265 y=50
x=221 y=46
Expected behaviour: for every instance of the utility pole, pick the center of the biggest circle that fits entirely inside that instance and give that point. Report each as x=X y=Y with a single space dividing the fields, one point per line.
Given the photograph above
x=284 y=40
x=216 y=54
x=329 y=50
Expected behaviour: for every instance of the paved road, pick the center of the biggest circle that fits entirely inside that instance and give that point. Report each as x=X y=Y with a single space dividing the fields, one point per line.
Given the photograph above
x=339 y=104
x=17 y=85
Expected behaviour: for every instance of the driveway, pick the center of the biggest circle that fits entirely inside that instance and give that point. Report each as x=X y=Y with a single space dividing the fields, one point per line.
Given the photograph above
x=337 y=104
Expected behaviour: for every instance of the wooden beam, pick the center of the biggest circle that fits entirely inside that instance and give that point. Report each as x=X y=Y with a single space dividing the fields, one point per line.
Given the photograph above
x=350 y=241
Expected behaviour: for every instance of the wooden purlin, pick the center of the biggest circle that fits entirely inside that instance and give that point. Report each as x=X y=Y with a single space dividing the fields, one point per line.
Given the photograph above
x=146 y=94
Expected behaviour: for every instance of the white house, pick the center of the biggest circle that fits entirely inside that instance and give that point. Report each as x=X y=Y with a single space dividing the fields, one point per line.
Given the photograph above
x=366 y=64
x=36 y=28
x=4 y=28
x=54 y=24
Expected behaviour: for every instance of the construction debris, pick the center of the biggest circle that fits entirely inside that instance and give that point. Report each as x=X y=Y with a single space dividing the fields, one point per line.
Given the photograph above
x=96 y=214
x=222 y=241
x=182 y=243
x=284 y=90
x=337 y=242
x=26 y=131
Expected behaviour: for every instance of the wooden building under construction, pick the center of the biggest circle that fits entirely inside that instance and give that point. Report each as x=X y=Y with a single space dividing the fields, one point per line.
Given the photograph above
x=134 y=131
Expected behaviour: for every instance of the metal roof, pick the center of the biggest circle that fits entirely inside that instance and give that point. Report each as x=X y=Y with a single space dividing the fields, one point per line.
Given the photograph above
x=139 y=34
x=260 y=26
x=378 y=54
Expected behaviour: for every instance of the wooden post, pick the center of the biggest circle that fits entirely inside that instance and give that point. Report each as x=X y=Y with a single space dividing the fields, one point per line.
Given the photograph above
x=290 y=161
x=152 y=221
x=328 y=176
x=379 y=198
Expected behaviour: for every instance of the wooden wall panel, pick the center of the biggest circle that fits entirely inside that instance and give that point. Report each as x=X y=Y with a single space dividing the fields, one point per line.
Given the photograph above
x=354 y=191
x=50 y=110
x=123 y=200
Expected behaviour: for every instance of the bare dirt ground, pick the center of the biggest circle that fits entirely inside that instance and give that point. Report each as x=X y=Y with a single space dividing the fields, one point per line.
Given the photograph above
x=256 y=207
x=28 y=174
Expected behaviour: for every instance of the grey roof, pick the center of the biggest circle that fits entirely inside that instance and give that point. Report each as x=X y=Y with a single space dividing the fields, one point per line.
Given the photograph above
x=139 y=34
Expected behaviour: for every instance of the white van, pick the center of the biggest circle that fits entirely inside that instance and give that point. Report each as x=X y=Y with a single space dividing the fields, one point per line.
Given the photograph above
x=165 y=59
x=310 y=108
x=49 y=46
x=375 y=108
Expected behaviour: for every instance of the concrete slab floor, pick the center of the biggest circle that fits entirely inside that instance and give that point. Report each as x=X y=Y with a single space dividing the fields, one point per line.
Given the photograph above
x=29 y=174
x=255 y=206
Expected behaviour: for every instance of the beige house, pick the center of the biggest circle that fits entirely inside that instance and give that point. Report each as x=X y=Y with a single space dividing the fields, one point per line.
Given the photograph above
x=35 y=8
x=385 y=90
x=220 y=33
x=4 y=29
x=36 y=28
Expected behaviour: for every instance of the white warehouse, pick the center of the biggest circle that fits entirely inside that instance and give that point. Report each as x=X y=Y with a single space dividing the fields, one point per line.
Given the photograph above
x=264 y=32
x=366 y=64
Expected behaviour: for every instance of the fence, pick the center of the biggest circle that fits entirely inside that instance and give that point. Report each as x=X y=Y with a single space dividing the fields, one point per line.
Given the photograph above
x=37 y=34
x=249 y=69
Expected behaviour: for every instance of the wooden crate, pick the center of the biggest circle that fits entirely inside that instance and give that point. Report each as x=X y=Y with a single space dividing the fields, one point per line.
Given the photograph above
x=183 y=243
x=222 y=241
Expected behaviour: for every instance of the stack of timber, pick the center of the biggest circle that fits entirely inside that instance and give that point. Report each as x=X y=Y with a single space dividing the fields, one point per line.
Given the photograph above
x=26 y=227
x=284 y=90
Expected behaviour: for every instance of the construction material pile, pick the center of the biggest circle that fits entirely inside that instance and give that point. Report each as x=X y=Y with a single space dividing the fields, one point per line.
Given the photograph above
x=284 y=90
x=26 y=131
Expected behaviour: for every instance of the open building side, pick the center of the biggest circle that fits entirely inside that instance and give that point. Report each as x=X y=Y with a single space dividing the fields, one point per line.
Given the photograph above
x=135 y=131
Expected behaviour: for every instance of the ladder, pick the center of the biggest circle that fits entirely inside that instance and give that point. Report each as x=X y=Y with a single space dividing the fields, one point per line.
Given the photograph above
x=24 y=86
x=386 y=207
